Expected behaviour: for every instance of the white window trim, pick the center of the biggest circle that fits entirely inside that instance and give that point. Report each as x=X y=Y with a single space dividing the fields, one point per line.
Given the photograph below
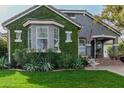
x=106 y=36
x=67 y=41
x=42 y=22
x=28 y=37
x=18 y=40
x=19 y=32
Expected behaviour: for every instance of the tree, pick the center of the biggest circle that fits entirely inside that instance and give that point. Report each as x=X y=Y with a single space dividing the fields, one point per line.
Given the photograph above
x=3 y=46
x=114 y=14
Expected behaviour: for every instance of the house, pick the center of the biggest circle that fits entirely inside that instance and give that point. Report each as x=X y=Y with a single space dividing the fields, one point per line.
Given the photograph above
x=65 y=31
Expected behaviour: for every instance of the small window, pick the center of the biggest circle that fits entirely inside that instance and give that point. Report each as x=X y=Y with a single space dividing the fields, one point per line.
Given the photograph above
x=82 y=42
x=72 y=15
x=18 y=35
x=68 y=36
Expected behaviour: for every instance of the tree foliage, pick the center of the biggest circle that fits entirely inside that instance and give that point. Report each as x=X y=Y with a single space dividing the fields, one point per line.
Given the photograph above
x=3 y=47
x=114 y=14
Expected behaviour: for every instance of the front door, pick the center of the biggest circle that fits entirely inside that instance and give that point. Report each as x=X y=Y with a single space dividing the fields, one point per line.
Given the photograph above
x=96 y=49
x=99 y=49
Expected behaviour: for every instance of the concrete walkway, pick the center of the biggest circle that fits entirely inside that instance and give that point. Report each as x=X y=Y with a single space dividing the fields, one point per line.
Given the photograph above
x=115 y=69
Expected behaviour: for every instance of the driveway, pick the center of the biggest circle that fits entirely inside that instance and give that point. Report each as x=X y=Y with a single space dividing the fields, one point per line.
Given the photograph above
x=115 y=69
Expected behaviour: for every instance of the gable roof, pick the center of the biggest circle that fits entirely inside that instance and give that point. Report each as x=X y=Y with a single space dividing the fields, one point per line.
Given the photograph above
x=91 y=16
x=16 y=17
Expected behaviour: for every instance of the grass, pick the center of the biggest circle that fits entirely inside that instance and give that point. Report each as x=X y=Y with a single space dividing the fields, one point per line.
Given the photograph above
x=62 y=79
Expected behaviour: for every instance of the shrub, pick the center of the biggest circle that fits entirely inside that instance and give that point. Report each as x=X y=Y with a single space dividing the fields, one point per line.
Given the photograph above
x=32 y=66
x=20 y=56
x=65 y=61
x=121 y=49
x=3 y=63
x=3 y=46
x=53 y=57
x=110 y=52
x=45 y=65
x=78 y=64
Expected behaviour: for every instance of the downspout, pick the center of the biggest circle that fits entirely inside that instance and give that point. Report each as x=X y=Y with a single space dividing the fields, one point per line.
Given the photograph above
x=9 y=52
x=78 y=43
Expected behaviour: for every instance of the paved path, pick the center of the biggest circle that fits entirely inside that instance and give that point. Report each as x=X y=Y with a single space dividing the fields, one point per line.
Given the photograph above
x=115 y=69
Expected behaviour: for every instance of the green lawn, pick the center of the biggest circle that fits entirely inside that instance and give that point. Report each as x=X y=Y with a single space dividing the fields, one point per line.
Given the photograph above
x=80 y=78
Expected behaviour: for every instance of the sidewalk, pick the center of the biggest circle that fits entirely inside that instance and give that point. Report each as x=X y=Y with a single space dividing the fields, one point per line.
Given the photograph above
x=115 y=69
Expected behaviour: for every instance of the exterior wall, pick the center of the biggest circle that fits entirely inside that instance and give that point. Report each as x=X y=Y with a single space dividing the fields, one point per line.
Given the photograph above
x=45 y=13
x=89 y=24
x=97 y=28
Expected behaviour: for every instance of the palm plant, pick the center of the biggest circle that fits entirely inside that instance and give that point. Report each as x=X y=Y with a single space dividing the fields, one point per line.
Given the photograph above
x=45 y=65
x=3 y=62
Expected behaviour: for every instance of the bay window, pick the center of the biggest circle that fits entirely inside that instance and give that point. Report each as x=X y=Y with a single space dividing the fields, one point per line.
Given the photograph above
x=43 y=37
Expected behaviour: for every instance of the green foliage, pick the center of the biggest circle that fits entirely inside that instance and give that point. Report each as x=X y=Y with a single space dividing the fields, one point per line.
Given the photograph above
x=32 y=66
x=65 y=60
x=110 y=52
x=121 y=49
x=53 y=58
x=20 y=56
x=3 y=47
x=3 y=63
x=45 y=65
x=114 y=14
x=78 y=64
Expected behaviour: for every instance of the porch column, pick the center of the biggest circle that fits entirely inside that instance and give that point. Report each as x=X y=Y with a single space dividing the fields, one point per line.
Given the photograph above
x=95 y=41
x=115 y=45
x=88 y=50
x=103 y=48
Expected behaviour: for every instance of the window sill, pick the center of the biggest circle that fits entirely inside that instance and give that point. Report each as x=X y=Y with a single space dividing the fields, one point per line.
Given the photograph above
x=42 y=51
x=67 y=41
x=18 y=40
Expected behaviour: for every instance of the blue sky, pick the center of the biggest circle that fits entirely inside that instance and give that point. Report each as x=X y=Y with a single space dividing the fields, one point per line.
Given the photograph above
x=11 y=10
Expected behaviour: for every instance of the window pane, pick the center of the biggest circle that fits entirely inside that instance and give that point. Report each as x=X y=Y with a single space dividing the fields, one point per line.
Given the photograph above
x=42 y=44
x=29 y=34
x=56 y=35
x=56 y=38
x=69 y=36
x=82 y=42
x=42 y=32
x=18 y=36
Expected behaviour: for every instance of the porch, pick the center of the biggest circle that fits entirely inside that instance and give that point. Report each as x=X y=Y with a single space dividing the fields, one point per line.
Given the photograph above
x=96 y=47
